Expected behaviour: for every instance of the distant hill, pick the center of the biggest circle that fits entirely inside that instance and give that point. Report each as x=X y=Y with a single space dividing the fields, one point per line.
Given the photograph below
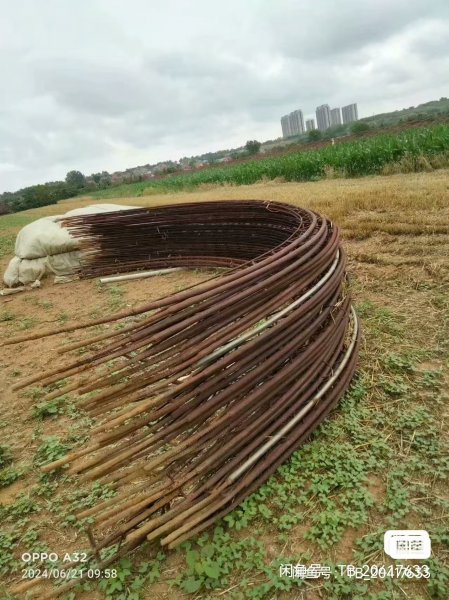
x=434 y=108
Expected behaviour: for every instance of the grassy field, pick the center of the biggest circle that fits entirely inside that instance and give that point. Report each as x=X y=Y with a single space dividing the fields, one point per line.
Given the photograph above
x=412 y=150
x=381 y=462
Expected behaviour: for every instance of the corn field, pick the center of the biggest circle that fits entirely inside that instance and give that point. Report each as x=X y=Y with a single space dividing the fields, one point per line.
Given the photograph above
x=352 y=159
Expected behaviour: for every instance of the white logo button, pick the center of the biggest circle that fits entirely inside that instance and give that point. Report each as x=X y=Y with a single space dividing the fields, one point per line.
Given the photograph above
x=407 y=543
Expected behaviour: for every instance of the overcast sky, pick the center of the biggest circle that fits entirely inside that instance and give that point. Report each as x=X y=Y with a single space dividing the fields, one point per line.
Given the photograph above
x=111 y=84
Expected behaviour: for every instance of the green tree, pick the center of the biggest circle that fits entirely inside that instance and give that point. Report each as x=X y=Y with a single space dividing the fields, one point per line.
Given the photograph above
x=359 y=127
x=102 y=179
x=75 y=179
x=315 y=135
x=4 y=208
x=252 y=146
x=106 y=179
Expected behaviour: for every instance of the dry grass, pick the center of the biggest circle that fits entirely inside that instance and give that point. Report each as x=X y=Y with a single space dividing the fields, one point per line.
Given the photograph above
x=417 y=201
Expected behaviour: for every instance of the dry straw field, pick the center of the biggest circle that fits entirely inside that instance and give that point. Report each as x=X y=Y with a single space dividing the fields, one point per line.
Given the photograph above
x=381 y=462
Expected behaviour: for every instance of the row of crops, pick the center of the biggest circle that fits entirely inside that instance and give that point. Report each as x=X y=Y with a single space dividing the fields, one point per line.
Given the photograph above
x=364 y=157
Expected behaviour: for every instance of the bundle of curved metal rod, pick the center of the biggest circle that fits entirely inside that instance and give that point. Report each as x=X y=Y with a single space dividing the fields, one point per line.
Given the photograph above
x=214 y=387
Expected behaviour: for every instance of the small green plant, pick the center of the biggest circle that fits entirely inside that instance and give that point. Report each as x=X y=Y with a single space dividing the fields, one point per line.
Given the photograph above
x=24 y=505
x=7 y=316
x=63 y=318
x=34 y=393
x=8 y=542
x=50 y=450
x=397 y=498
x=399 y=363
x=438 y=584
x=8 y=476
x=116 y=297
x=87 y=497
x=130 y=579
x=5 y=456
x=209 y=564
x=394 y=387
x=413 y=419
x=51 y=408
x=28 y=322
x=56 y=385
x=432 y=379
x=118 y=583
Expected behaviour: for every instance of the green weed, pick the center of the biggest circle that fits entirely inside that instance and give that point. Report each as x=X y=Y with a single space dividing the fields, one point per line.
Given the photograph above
x=50 y=450
x=7 y=316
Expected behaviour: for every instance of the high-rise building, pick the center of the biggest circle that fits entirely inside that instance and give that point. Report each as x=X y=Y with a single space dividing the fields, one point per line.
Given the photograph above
x=335 y=117
x=323 y=117
x=350 y=113
x=292 y=124
x=296 y=119
x=310 y=124
x=285 y=124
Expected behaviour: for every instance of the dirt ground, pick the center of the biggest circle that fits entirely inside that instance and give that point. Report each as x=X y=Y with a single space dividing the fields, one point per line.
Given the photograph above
x=396 y=233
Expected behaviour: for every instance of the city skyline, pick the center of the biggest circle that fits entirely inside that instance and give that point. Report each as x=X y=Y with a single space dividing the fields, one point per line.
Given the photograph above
x=326 y=117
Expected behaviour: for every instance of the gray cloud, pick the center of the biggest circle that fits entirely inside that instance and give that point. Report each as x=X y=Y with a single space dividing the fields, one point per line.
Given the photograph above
x=111 y=84
x=326 y=29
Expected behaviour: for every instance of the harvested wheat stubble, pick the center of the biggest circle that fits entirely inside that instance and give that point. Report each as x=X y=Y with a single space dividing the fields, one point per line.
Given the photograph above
x=216 y=386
